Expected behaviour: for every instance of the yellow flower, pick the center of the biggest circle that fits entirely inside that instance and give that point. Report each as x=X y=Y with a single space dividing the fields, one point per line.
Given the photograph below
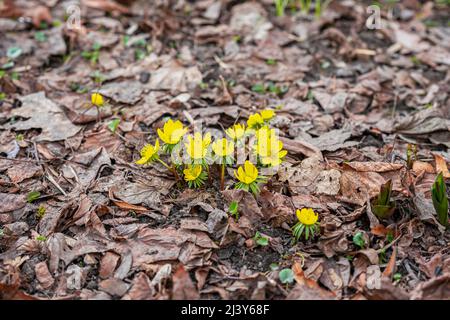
x=172 y=132
x=255 y=120
x=197 y=146
x=149 y=153
x=236 y=132
x=267 y=114
x=223 y=147
x=265 y=133
x=307 y=216
x=192 y=172
x=97 y=99
x=248 y=174
x=270 y=152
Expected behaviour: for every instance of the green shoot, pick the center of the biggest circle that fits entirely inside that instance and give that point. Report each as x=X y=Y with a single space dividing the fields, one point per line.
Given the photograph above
x=113 y=125
x=382 y=207
x=440 y=199
x=41 y=212
x=286 y=276
x=260 y=239
x=280 y=6
x=358 y=240
x=233 y=210
x=32 y=196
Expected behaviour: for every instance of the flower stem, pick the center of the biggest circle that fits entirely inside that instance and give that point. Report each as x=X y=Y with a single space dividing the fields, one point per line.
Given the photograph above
x=222 y=177
x=171 y=168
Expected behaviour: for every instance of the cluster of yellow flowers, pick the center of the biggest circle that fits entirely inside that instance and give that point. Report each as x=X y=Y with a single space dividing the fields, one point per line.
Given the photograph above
x=202 y=152
x=268 y=150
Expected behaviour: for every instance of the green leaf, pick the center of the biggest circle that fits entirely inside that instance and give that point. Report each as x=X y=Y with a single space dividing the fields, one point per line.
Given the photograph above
x=397 y=277
x=13 y=52
x=286 y=276
x=41 y=238
x=440 y=199
x=113 y=125
x=260 y=240
x=258 y=88
x=40 y=36
x=385 y=193
x=274 y=266
x=358 y=240
x=32 y=196
x=233 y=208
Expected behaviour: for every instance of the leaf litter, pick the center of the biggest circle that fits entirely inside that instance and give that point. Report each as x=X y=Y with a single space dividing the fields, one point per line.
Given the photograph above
x=348 y=112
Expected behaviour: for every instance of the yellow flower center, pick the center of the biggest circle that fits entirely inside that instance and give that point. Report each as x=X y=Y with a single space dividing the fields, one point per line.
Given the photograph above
x=307 y=216
x=148 y=153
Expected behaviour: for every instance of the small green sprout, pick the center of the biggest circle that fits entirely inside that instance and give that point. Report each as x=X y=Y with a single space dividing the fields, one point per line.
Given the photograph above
x=41 y=238
x=1 y=232
x=286 y=276
x=274 y=266
x=113 y=125
x=15 y=75
x=271 y=62
x=93 y=54
x=40 y=212
x=389 y=237
x=397 y=277
x=383 y=207
x=2 y=96
x=40 y=36
x=233 y=210
x=280 y=6
x=260 y=239
x=33 y=196
x=411 y=155
x=440 y=199
x=358 y=240
x=259 y=88
x=13 y=52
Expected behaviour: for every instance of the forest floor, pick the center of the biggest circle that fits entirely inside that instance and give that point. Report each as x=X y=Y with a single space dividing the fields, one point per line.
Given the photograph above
x=355 y=107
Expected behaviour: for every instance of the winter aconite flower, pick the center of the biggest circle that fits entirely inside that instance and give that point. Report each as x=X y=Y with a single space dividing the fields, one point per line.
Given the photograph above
x=149 y=153
x=97 y=99
x=223 y=148
x=307 y=223
x=267 y=114
x=270 y=152
x=248 y=177
x=195 y=176
x=197 y=146
x=255 y=121
x=236 y=132
x=171 y=133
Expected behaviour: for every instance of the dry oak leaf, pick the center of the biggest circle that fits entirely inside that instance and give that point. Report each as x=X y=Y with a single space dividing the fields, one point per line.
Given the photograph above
x=307 y=289
x=183 y=287
x=11 y=202
x=42 y=113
